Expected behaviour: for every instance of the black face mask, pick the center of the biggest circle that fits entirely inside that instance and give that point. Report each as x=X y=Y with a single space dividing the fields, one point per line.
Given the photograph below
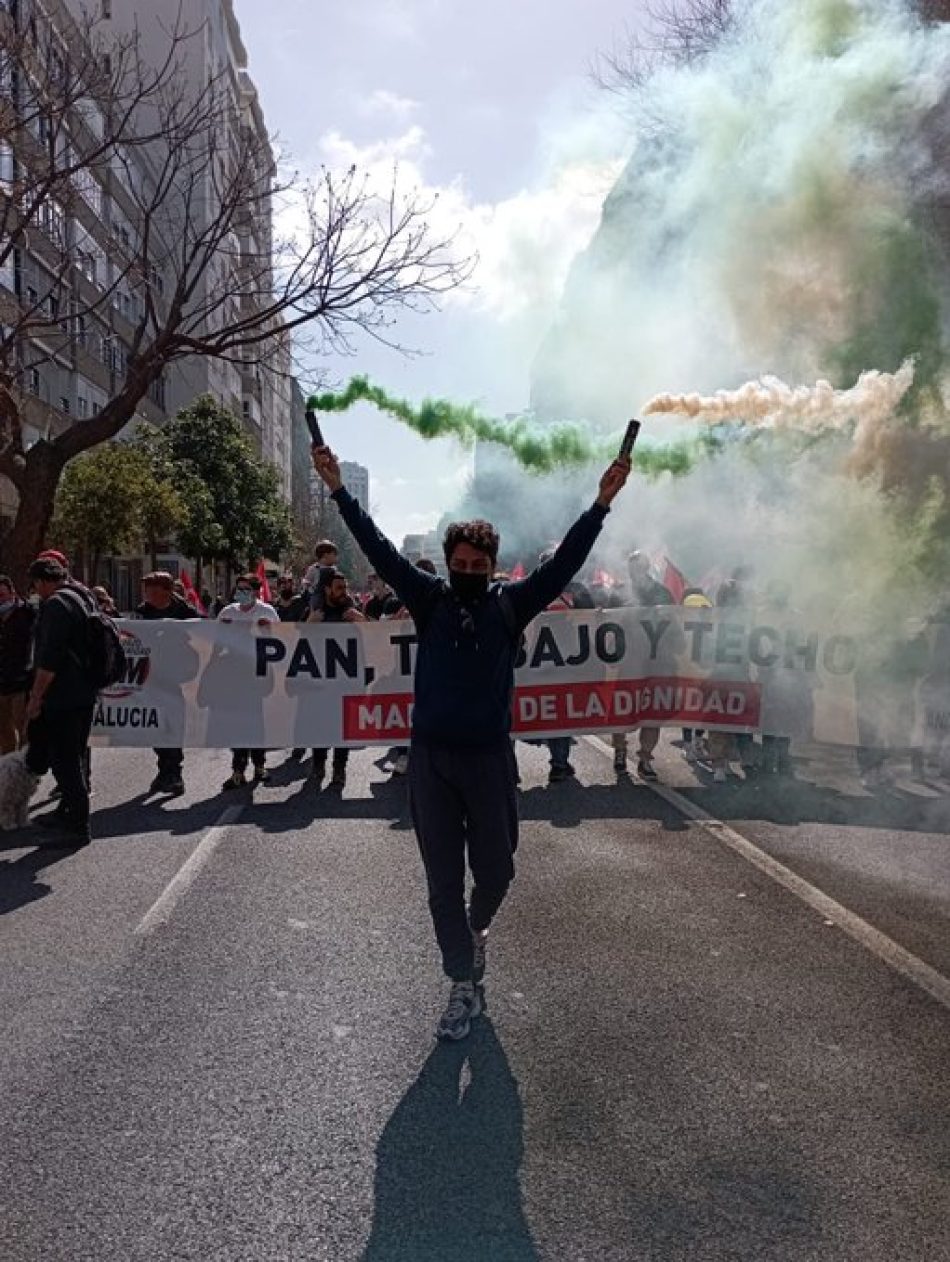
x=468 y=587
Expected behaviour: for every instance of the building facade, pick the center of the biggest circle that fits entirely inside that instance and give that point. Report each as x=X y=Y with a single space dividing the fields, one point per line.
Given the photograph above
x=211 y=49
x=73 y=266
x=356 y=480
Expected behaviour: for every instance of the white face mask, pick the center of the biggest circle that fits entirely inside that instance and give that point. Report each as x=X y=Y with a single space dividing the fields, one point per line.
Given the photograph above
x=245 y=599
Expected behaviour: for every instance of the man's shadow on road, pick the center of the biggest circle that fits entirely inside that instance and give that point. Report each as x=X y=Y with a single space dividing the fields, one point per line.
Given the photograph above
x=447 y=1163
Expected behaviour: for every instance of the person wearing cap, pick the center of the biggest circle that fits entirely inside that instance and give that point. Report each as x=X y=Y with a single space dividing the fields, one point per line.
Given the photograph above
x=160 y=601
x=62 y=698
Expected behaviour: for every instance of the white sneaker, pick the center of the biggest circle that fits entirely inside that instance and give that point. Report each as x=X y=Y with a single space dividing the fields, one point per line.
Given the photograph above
x=719 y=775
x=400 y=764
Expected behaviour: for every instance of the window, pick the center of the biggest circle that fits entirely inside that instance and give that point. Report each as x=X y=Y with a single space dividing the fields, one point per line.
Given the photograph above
x=6 y=165
x=64 y=404
x=107 y=8
x=53 y=221
x=82 y=406
x=88 y=187
x=96 y=409
x=35 y=381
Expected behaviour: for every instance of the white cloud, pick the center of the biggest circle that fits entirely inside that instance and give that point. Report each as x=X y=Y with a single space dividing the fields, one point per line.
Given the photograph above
x=525 y=243
x=390 y=105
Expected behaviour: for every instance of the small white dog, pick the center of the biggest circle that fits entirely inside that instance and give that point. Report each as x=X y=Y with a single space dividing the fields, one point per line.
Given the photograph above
x=17 y=786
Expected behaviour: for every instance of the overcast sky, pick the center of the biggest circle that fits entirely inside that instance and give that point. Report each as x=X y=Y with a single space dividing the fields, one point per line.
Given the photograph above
x=494 y=106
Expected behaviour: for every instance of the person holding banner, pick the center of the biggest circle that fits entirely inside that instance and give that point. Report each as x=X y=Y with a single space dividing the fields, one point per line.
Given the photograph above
x=160 y=602
x=333 y=603
x=248 y=606
x=462 y=787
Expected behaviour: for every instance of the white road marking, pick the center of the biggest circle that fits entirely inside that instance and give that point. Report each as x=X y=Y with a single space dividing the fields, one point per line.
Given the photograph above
x=879 y=944
x=160 y=911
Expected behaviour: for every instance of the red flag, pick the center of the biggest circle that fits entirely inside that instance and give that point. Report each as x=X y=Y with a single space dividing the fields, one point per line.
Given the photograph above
x=191 y=595
x=674 y=581
x=265 y=586
x=518 y=571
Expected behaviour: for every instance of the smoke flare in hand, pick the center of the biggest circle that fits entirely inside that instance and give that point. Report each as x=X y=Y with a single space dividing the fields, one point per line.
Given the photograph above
x=539 y=449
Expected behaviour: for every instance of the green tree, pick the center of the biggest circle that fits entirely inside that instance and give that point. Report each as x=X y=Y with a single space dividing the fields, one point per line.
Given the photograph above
x=236 y=510
x=112 y=498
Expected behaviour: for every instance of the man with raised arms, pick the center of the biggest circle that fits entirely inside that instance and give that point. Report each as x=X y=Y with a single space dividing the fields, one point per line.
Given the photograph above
x=461 y=771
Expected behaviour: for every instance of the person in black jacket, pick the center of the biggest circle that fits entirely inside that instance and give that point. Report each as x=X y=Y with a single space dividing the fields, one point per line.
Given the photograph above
x=62 y=698
x=16 y=643
x=160 y=601
x=291 y=605
x=334 y=604
x=461 y=771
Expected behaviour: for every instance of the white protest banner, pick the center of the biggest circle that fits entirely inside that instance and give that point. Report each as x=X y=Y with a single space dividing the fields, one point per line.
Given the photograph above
x=241 y=685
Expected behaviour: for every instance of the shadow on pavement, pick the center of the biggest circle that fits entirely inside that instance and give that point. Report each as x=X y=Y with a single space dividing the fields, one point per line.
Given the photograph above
x=447 y=1163
x=793 y=802
x=18 y=879
x=143 y=814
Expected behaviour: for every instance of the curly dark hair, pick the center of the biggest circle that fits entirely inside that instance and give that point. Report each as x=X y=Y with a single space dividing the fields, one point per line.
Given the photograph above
x=478 y=534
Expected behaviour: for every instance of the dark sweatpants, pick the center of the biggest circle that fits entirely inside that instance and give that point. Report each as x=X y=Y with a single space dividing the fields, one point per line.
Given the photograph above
x=57 y=743
x=459 y=798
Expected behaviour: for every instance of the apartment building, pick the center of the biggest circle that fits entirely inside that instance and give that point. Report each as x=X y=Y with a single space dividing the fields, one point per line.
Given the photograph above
x=73 y=268
x=356 y=481
x=211 y=49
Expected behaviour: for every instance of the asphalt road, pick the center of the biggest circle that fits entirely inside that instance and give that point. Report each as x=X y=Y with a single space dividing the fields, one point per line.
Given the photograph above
x=680 y=1060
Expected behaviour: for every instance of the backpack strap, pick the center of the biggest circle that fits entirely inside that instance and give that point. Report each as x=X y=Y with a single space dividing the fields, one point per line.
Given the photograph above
x=79 y=604
x=76 y=601
x=441 y=591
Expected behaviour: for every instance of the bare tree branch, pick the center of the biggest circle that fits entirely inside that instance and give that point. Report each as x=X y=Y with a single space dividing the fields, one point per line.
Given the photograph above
x=136 y=232
x=675 y=32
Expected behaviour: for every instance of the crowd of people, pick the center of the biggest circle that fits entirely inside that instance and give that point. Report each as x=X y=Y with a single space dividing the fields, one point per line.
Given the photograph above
x=323 y=594
x=461 y=764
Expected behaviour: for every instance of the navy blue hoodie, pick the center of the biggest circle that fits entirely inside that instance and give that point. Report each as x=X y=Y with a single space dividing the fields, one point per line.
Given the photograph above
x=465 y=664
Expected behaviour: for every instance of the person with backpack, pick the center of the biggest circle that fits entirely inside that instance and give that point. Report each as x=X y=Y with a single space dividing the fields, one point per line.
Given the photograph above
x=462 y=788
x=62 y=699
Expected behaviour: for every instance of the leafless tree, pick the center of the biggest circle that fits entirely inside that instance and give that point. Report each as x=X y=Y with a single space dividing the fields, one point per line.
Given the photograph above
x=136 y=233
x=674 y=32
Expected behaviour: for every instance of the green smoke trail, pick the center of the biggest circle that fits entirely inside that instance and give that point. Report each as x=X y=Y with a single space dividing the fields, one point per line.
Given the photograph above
x=540 y=450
